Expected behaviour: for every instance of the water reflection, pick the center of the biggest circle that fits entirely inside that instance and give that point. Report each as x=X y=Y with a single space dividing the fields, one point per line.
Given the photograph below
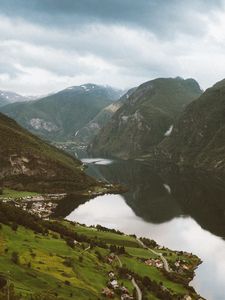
x=181 y=212
x=160 y=198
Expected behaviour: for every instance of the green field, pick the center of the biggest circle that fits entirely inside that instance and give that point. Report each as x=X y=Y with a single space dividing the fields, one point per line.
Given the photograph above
x=9 y=193
x=47 y=264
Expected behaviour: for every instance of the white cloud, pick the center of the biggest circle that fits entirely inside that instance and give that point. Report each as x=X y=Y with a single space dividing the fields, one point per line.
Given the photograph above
x=36 y=59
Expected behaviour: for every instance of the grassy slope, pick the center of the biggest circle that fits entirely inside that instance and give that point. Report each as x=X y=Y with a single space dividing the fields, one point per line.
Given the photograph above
x=47 y=271
x=47 y=168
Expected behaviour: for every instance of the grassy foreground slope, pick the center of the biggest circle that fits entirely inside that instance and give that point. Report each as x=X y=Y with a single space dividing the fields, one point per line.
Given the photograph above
x=62 y=260
x=28 y=163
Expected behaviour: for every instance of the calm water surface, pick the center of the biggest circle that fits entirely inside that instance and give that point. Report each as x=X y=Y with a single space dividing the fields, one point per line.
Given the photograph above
x=179 y=212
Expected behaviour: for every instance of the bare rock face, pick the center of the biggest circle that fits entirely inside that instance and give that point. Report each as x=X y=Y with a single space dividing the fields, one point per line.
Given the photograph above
x=145 y=118
x=40 y=124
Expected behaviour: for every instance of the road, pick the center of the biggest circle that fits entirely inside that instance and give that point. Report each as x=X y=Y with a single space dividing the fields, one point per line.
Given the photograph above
x=119 y=261
x=165 y=262
x=139 y=293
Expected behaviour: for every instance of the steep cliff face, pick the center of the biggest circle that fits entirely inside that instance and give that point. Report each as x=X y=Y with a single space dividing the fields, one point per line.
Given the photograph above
x=27 y=163
x=198 y=139
x=87 y=133
x=146 y=117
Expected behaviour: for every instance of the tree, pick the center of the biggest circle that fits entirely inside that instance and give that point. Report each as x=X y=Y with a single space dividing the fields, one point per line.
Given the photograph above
x=15 y=257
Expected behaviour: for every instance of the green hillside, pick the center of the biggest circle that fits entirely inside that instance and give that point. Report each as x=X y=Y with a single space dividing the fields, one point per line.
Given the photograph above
x=61 y=260
x=28 y=163
x=58 y=117
x=198 y=139
x=147 y=115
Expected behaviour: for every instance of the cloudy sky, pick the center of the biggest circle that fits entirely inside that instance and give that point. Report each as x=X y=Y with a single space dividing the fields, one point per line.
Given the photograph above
x=47 y=45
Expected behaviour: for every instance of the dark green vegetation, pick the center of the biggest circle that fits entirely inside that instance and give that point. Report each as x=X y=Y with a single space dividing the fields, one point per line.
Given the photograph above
x=27 y=163
x=145 y=117
x=198 y=139
x=61 y=260
x=90 y=130
x=58 y=117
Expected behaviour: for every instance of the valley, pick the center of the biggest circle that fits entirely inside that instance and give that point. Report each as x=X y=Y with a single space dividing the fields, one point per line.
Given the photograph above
x=150 y=191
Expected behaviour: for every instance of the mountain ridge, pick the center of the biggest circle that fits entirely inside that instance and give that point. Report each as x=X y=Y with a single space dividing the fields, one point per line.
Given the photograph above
x=59 y=116
x=145 y=117
x=198 y=136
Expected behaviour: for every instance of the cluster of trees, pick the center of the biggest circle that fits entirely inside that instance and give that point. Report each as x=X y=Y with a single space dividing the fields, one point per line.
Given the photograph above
x=146 y=284
x=70 y=236
x=10 y=214
x=13 y=216
x=149 y=243
x=102 y=228
x=179 y=278
x=117 y=249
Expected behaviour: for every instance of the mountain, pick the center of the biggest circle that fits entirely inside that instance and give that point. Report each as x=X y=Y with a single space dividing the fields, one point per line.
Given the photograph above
x=27 y=163
x=59 y=116
x=198 y=139
x=146 y=117
x=7 y=97
x=91 y=129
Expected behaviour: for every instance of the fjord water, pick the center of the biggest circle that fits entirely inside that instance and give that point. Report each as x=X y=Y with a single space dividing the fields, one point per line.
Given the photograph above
x=180 y=212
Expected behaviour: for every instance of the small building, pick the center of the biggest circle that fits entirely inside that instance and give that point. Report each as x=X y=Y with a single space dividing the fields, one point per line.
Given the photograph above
x=107 y=293
x=114 y=284
x=111 y=275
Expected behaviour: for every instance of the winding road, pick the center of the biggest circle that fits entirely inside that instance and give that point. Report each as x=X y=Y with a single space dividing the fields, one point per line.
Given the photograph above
x=165 y=262
x=139 y=293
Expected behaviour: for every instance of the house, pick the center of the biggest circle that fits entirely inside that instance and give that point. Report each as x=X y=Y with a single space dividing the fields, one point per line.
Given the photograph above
x=124 y=290
x=107 y=293
x=187 y=297
x=177 y=264
x=114 y=284
x=111 y=275
x=185 y=267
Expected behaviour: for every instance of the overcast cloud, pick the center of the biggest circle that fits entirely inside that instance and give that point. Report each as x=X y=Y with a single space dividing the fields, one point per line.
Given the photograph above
x=47 y=45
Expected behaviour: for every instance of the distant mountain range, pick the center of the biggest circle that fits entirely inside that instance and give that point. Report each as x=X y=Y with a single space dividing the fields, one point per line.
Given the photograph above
x=60 y=116
x=147 y=115
x=163 y=120
x=27 y=163
x=7 y=97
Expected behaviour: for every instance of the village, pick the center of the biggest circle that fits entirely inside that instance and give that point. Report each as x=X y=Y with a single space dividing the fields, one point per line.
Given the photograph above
x=40 y=205
x=113 y=287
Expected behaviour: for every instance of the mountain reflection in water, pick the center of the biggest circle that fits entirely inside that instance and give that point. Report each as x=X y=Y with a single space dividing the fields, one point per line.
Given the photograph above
x=180 y=211
x=160 y=198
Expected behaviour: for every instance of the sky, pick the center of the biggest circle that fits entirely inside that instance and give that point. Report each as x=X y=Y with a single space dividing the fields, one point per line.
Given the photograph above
x=48 y=45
